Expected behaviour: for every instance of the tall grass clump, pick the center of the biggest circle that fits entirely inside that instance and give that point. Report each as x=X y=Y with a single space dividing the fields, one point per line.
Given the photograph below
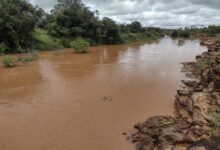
x=80 y=45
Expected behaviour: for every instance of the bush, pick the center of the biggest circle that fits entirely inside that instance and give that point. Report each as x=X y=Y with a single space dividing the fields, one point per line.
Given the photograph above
x=44 y=41
x=2 y=48
x=9 y=62
x=80 y=45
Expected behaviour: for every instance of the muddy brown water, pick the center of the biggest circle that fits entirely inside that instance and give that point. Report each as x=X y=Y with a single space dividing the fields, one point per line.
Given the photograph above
x=67 y=101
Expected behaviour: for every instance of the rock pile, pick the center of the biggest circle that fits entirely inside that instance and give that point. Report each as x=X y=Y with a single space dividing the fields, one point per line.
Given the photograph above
x=196 y=126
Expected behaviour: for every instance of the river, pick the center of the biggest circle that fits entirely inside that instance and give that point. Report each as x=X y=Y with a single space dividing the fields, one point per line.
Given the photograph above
x=68 y=101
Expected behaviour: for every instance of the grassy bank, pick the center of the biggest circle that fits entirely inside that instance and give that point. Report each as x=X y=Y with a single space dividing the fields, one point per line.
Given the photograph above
x=44 y=41
x=140 y=37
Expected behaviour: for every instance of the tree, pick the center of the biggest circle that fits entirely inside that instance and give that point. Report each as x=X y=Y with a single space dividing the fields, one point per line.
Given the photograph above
x=135 y=27
x=18 y=19
x=174 y=34
x=124 y=28
x=110 y=31
x=71 y=19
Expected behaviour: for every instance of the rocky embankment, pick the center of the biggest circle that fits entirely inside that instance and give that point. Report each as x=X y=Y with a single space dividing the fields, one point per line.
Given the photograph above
x=196 y=125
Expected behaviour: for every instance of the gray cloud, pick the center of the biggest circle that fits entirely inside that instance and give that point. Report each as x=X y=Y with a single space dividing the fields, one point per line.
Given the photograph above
x=161 y=13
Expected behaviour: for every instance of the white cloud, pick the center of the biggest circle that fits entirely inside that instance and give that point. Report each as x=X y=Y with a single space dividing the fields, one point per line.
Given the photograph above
x=161 y=13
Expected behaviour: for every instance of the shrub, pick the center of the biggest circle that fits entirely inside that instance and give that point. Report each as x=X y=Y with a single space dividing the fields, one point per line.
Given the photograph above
x=44 y=41
x=80 y=45
x=9 y=62
x=2 y=48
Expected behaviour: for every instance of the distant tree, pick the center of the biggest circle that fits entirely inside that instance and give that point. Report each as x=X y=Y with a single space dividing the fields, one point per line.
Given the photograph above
x=184 y=33
x=174 y=34
x=135 y=27
x=124 y=28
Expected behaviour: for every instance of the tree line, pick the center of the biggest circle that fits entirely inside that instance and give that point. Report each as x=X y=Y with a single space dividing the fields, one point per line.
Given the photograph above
x=25 y=27
x=211 y=30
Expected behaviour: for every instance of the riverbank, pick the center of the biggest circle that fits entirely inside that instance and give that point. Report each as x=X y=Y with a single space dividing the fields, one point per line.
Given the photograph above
x=196 y=125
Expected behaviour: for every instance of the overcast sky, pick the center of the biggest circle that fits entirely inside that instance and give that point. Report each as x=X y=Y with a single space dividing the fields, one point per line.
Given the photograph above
x=161 y=13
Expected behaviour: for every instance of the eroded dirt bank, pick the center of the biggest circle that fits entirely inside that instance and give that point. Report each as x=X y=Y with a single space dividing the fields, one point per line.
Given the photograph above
x=196 y=125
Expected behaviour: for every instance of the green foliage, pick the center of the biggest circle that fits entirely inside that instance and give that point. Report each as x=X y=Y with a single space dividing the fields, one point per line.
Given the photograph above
x=183 y=33
x=44 y=41
x=211 y=30
x=110 y=32
x=80 y=45
x=23 y=26
x=135 y=27
x=2 y=48
x=8 y=62
x=72 y=19
x=148 y=34
x=18 y=19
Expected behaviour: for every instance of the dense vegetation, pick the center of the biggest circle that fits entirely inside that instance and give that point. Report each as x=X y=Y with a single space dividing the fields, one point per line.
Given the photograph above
x=210 y=31
x=80 y=45
x=24 y=27
x=18 y=20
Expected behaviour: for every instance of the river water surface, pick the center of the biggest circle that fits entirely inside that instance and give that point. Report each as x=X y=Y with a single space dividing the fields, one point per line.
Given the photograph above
x=68 y=101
